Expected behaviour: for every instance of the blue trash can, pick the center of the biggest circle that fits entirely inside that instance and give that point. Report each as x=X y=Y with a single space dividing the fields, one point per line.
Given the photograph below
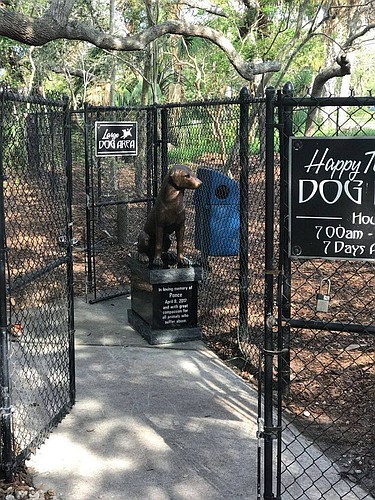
x=217 y=214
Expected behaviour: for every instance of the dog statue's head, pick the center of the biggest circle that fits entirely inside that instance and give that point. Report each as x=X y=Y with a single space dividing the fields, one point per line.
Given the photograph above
x=182 y=177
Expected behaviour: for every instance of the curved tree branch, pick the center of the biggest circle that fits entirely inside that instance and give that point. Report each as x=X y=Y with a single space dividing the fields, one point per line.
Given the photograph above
x=341 y=69
x=79 y=73
x=349 y=42
x=54 y=25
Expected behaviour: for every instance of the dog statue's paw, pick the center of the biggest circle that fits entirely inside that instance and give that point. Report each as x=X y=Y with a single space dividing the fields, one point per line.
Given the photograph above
x=169 y=258
x=158 y=262
x=143 y=258
x=184 y=262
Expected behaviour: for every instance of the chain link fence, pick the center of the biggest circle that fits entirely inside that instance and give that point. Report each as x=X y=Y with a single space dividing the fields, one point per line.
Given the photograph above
x=36 y=273
x=110 y=201
x=112 y=197
x=315 y=373
x=326 y=365
x=207 y=137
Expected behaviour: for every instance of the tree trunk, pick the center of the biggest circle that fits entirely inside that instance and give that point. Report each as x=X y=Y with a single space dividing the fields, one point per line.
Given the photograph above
x=342 y=68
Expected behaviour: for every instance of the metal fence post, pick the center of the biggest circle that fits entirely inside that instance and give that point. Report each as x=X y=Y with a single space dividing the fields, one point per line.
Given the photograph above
x=149 y=169
x=155 y=151
x=89 y=274
x=284 y=284
x=6 y=411
x=268 y=351
x=244 y=212
x=69 y=221
x=164 y=141
x=285 y=118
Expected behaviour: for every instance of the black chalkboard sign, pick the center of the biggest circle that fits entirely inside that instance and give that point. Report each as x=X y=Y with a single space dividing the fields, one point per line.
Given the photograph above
x=116 y=139
x=332 y=198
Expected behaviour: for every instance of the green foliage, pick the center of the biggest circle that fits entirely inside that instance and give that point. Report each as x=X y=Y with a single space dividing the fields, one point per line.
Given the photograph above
x=299 y=120
x=187 y=154
x=347 y=132
x=13 y=63
x=302 y=81
x=126 y=97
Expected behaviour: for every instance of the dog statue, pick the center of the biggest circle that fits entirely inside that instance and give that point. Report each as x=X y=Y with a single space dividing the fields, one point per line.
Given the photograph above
x=166 y=217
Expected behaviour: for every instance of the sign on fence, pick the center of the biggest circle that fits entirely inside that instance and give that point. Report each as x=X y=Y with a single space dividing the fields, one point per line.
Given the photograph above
x=332 y=198
x=116 y=139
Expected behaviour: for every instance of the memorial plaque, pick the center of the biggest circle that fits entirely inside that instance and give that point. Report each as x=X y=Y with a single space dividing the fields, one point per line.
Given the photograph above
x=164 y=302
x=332 y=198
x=175 y=305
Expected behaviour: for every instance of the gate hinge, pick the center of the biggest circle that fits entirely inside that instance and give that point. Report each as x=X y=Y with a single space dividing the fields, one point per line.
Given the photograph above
x=285 y=350
x=279 y=126
x=273 y=272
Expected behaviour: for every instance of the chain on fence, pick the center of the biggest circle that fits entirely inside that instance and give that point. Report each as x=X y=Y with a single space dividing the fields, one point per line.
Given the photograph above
x=37 y=363
x=327 y=405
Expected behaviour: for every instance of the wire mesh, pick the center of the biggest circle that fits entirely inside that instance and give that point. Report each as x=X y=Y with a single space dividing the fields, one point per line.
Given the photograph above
x=34 y=158
x=201 y=135
x=327 y=448
x=205 y=136
x=117 y=193
x=326 y=399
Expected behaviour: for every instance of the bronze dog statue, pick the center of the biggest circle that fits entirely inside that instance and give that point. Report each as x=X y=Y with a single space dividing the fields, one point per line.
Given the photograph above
x=166 y=217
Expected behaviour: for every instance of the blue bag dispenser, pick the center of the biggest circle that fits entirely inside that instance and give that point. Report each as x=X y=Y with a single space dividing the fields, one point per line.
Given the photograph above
x=217 y=214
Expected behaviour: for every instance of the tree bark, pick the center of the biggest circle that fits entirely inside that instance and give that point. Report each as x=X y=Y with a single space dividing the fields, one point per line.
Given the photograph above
x=342 y=68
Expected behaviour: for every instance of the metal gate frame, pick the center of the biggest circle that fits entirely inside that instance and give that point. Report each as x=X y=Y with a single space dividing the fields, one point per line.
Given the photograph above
x=278 y=323
x=12 y=452
x=157 y=135
x=94 y=202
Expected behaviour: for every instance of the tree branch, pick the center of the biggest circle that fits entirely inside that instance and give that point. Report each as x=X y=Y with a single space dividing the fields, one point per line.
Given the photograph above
x=39 y=31
x=349 y=42
x=80 y=73
x=342 y=68
x=205 y=5
x=60 y=11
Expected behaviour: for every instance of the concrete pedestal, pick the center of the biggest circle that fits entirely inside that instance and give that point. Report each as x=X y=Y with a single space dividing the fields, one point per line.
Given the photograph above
x=164 y=302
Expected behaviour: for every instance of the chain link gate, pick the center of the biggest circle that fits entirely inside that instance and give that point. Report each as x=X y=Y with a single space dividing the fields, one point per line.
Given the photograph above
x=36 y=293
x=119 y=191
x=319 y=366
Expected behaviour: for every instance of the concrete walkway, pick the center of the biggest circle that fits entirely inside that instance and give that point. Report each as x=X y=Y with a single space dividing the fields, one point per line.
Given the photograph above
x=150 y=422
x=165 y=423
